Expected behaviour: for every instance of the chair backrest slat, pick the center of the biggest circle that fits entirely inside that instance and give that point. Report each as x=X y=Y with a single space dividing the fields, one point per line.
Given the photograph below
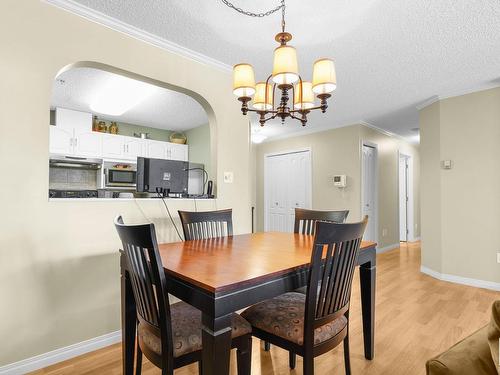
x=333 y=262
x=305 y=220
x=148 y=281
x=206 y=224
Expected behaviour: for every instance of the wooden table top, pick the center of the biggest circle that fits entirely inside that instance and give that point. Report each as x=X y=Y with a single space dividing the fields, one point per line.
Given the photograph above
x=222 y=264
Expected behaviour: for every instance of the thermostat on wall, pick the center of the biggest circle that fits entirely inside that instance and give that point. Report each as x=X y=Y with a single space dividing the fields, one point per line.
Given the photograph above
x=340 y=180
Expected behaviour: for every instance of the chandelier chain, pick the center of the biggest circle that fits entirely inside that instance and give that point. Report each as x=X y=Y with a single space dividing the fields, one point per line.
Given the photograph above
x=252 y=14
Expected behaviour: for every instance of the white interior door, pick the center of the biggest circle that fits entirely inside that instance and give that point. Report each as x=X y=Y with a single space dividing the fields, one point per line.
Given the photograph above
x=369 y=185
x=287 y=186
x=403 y=197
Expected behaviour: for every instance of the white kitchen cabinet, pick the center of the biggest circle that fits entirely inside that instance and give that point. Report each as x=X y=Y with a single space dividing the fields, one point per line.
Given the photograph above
x=61 y=140
x=177 y=152
x=86 y=142
x=166 y=150
x=133 y=147
x=73 y=135
x=156 y=149
x=69 y=119
x=113 y=146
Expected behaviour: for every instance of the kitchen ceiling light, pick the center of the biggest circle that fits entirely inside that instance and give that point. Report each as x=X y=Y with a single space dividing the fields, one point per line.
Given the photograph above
x=258 y=138
x=120 y=94
x=285 y=77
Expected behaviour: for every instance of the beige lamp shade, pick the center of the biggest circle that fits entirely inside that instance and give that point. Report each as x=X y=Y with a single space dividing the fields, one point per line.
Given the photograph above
x=260 y=102
x=243 y=80
x=303 y=99
x=324 y=77
x=285 y=67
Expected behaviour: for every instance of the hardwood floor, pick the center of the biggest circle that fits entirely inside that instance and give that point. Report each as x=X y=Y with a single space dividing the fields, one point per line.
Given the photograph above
x=417 y=317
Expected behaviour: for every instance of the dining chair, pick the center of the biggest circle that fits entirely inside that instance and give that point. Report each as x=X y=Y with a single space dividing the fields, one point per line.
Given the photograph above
x=313 y=324
x=168 y=335
x=206 y=224
x=305 y=219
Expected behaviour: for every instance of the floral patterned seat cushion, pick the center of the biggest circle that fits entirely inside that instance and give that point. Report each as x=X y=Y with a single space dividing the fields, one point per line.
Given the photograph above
x=186 y=330
x=283 y=316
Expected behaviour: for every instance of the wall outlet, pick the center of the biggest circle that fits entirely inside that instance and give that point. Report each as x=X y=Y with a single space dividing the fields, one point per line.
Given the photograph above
x=384 y=232
x=498 y=257
x=228 y=177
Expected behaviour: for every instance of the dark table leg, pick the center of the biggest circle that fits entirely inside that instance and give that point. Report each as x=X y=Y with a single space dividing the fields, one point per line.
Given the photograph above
x=128 y=320
x=367 y=272
x=216 y=338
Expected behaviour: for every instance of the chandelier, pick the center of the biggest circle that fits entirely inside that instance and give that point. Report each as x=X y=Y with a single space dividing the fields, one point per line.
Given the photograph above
x=284 y=81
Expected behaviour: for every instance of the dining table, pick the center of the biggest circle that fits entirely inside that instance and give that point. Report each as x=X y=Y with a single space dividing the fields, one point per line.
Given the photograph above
x=220 y=276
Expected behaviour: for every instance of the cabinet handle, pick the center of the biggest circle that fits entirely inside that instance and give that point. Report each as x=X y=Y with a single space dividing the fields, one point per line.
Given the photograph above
x=76 y=141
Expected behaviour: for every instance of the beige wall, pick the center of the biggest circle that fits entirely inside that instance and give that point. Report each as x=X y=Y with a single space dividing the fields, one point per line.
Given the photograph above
x=59 y=269
x=198 y=140
x=466 y=130
x=338 y=151
x=430 y=188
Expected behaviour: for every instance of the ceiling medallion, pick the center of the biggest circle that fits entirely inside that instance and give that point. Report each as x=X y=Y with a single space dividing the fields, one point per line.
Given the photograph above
x=285 y=77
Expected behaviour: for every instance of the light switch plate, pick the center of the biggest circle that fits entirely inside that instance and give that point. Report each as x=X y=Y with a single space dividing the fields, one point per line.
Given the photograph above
x=498 y=257
x=228 y=177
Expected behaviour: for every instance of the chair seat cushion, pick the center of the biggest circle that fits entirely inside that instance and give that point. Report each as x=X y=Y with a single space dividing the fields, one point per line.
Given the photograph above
x=186 y=330
x=283 y=316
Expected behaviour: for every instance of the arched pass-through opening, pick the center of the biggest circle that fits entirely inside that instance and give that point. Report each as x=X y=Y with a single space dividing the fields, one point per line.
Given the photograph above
x=165 y=110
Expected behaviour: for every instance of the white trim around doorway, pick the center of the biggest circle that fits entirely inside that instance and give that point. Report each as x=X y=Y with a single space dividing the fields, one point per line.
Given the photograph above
x=375 y=146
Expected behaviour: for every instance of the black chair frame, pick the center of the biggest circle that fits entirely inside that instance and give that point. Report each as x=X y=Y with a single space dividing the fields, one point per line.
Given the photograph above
x=333 y=273
x=153 y=310
x=206 y=224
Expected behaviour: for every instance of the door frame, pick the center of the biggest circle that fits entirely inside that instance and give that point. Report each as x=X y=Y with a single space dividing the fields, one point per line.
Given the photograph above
x=410 y=237
x=266 y=171
x=375 y=219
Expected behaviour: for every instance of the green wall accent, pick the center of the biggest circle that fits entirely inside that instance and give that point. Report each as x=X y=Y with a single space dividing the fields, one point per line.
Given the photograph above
x=198 y=140
x=129 y=130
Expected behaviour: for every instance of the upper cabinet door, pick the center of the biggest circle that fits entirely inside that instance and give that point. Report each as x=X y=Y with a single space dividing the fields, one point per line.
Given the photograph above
x=87 y=143
x=157 y=149
x=61 y=140
x=134 y=147
x=113 y=146
x=177 y=152
x=69 y=119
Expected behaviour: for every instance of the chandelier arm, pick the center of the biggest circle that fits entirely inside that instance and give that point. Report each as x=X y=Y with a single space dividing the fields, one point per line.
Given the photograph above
x=308 y=109
x=259 y=111
x=302 y=119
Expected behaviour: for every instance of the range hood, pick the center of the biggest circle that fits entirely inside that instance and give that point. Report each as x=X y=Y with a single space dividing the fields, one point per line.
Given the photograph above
x=62 y=161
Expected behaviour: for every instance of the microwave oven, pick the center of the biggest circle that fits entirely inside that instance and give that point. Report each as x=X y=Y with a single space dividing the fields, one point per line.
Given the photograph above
x=120 y=178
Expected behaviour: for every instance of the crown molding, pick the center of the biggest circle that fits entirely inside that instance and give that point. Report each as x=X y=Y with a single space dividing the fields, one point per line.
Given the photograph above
x=134 y=32
x=453 y=94
x=383 y=131
x=427 y=102
x=318 y=130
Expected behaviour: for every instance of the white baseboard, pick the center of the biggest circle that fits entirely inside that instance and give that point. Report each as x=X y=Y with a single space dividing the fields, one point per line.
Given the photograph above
x=387 y=248
x=43 y=360
x=461 y=280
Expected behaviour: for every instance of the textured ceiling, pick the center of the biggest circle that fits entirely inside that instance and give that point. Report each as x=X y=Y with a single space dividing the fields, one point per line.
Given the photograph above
x=164 y=109
x=390 y=55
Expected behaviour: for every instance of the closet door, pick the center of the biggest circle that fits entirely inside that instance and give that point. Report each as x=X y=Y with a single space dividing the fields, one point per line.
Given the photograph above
x=299 y=183
x=287 y=185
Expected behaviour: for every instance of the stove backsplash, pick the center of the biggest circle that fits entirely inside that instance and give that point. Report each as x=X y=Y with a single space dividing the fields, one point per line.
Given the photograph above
x=72 y=179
